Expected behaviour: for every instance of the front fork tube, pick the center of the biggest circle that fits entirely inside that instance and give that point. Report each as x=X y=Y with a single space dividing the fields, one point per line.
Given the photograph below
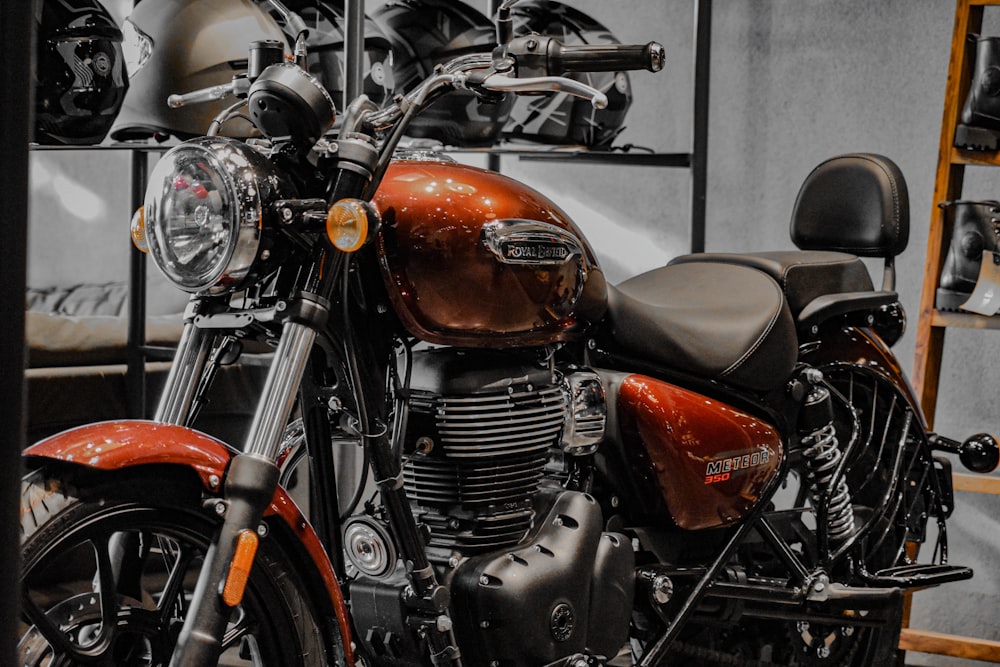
x=185 y=374
x=250 y=484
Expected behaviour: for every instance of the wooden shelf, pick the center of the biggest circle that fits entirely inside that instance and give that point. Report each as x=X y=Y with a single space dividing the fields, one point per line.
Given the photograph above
x=961 y=156
x=933 y=323
x=941 y=318
x=970 y=648
x=976 y=483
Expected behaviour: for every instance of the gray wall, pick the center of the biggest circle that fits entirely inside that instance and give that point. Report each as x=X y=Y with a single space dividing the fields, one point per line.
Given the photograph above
x=793 y=82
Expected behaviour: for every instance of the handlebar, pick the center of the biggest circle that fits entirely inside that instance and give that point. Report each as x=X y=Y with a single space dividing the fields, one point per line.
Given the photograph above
x=605 y=57
x=537 y=55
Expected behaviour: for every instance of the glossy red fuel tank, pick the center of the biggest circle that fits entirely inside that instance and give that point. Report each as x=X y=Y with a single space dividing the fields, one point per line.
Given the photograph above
x=710 y=461
x=473 y=258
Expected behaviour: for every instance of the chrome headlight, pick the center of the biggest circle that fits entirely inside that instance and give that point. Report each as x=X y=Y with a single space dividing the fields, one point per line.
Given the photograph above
x=204 y=209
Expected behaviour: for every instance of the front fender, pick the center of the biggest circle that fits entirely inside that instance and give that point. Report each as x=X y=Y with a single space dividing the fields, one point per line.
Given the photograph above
x=117 y=445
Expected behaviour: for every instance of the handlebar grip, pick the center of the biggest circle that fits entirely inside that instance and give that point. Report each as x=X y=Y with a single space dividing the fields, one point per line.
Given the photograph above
x=604 y=57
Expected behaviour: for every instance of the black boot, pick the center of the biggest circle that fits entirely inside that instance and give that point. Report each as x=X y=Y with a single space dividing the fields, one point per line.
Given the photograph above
x=979 y=126
x=976 y=229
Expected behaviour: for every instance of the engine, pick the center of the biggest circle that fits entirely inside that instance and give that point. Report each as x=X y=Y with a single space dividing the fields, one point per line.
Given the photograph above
x=525 y=557
x=479 y=453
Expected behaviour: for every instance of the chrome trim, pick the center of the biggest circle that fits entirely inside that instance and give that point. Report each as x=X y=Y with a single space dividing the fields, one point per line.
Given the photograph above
x=530 y=242
x=587 y=414
x=185 y=372
x=280 y=391
x=251 y=185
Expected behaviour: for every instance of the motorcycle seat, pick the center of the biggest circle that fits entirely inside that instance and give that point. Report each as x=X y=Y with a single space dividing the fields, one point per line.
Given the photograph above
x=716 y=320
x=850 y=206
x=803 y=274
x=819 y=285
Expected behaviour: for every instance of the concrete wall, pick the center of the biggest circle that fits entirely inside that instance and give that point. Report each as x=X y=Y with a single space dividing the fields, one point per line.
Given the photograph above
x=792 y=83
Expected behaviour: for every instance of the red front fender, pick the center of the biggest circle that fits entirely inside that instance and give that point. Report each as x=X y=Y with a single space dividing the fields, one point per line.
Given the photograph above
x=117 y=445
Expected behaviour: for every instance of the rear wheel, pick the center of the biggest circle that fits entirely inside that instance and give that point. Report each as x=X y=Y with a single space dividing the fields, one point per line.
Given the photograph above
x=108 y=573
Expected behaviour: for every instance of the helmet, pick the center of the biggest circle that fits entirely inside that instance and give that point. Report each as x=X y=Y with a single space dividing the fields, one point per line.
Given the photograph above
x=424 y=33
x=80 y=77
x=561 y=118
x=326 y=20
x=177 y=46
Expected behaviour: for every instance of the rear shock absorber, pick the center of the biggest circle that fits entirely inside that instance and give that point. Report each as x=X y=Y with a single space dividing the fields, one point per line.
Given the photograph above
x=821 y=454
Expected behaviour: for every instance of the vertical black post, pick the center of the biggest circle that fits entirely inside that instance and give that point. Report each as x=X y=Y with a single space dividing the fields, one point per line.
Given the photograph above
x=135 y=377
x=699 y=148
x=354 y=51
x=16 y=44
x=493 y=162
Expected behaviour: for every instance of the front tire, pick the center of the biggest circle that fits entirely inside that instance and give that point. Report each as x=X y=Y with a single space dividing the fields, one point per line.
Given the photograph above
x=142 y=538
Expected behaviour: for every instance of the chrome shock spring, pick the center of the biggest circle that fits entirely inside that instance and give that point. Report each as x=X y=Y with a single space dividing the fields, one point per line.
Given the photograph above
x=822 y=454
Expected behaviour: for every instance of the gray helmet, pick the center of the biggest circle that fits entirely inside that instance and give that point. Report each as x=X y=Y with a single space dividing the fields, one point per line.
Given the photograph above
x=177 y=46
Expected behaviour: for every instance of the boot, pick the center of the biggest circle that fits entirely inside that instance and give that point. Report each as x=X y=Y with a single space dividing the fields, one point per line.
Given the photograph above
x=976 y=229
x=979 y=126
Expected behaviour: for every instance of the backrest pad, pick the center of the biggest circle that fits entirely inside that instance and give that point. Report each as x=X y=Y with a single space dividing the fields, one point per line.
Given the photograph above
x=855 y=203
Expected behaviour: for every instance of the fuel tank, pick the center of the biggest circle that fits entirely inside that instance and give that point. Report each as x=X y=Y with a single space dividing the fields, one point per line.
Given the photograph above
x=473 y=258
x=710 y=461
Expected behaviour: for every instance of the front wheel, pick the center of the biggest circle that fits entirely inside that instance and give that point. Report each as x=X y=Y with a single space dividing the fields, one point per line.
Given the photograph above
x=108 y=571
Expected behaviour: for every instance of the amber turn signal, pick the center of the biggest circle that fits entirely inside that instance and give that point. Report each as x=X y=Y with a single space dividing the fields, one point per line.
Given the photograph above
x=139 y=229
x=239 y=568
x=347 y=224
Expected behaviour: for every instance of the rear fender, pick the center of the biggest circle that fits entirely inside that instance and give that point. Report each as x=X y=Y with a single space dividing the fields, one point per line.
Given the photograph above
x=118 y=445
x=864 y=350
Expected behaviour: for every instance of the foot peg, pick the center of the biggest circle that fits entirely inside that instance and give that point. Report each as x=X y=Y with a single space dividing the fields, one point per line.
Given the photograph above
x=919 y=575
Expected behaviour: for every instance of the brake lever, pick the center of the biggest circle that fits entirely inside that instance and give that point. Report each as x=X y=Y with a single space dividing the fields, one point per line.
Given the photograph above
x=541 y=84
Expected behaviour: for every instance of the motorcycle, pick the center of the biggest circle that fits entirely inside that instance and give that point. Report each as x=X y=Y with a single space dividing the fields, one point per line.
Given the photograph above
x=718 y=461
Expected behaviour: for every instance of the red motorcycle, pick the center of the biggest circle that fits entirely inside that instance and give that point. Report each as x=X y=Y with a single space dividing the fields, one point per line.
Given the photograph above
x=716 y=462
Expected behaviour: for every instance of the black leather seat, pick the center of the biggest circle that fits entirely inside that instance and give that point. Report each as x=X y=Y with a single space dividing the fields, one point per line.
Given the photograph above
x=715 y=320
x=802 y=274
x=849 y=206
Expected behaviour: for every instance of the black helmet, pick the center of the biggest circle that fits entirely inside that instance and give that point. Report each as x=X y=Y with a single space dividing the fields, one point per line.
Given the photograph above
x=177 y=46
x=80 y=77
x=561 y=118
x=424 y=33
x=326 y=20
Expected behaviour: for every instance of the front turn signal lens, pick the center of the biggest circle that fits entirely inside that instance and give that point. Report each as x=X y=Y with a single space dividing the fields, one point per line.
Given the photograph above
x=239 y=568
x=347 y=224
x=138 y=227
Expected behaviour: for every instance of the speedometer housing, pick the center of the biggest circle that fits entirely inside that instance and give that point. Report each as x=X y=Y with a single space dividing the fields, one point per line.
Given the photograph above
x=207 y=204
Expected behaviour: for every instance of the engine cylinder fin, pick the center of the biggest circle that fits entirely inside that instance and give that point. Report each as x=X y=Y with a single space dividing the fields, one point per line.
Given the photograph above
x=475 y=485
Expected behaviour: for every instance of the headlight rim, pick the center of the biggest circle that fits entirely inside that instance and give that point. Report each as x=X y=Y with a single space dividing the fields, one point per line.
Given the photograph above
x=244 y=174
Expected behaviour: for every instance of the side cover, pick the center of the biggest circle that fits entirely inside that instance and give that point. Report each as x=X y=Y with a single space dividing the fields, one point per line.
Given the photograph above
x=710 y=461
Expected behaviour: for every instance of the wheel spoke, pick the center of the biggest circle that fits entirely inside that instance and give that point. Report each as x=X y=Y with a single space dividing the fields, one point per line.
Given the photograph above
x=54 y=635
x=239 y=629
x=106 y=589
x=177 y=557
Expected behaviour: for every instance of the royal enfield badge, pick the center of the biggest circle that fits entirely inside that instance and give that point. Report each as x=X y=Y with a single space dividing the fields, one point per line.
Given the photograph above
x=530 y=242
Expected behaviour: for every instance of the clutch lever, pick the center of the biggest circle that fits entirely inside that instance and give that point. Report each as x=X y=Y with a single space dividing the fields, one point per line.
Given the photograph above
x=502 y=83
x=238 y=87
